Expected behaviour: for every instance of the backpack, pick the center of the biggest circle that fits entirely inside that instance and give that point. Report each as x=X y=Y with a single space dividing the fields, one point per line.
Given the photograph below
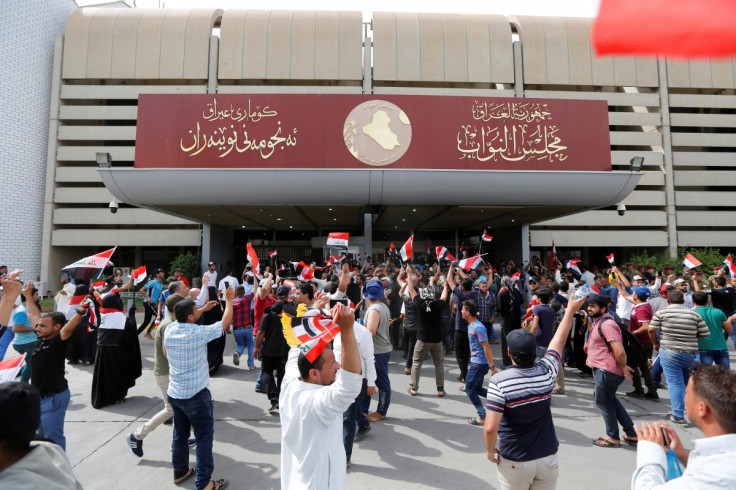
x=631 y=345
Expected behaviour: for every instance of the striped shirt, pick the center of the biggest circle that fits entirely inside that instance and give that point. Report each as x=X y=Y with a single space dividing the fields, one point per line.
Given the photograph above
x=523 y=396
x=186 y=350
x=679 y=328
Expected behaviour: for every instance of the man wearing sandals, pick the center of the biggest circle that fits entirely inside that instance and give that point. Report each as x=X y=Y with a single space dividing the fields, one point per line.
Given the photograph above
x=607 y=358
x=185 y=346
x=518 y=412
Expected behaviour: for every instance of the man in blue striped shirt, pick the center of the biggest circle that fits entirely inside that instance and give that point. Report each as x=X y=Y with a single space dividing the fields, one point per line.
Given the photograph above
x=518 y=413
x=185 y=347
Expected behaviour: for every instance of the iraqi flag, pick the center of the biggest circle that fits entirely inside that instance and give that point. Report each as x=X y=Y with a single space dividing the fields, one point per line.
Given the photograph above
x=486 y=237
x=311 y=334
x=273 y=254
x=335 y=260
x=89 y=267
x=572 y=265
x=253 y=260
x=681 y=29
x=406 y=250
x=112 y=319
x=302 y=271
x=552 y=257
x=139 y=275
x=444 y=254
x=427 y=248
x=729 y=264
x=10 y=367
x=463 y=252
x=690 y=262
x=474 y=262
x=611 y=259
x=338 y=240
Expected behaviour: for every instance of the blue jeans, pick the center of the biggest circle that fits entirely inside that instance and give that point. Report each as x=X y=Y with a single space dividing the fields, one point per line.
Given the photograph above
x=193 y=413
x=474 y=387
x=352 y=416
x=613 y=412
x=657 y=370
x=53 y=411
x=676 y=366
x=719 y=357
x=383 y=384
x=244 y=338
x=6 y=340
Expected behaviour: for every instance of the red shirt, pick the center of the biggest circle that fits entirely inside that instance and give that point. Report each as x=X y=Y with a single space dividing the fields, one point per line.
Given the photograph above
x=259 y=306
x=641 y=313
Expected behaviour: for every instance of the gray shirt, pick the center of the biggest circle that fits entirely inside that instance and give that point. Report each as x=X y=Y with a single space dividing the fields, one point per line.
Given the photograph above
x=381 y=341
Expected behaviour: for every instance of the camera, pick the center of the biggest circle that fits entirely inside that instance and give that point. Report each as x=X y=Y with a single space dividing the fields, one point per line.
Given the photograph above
x=621 y=209
x=113 y=205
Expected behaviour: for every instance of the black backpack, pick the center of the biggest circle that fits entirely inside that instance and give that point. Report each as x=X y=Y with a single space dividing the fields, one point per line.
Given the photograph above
x=632 y=347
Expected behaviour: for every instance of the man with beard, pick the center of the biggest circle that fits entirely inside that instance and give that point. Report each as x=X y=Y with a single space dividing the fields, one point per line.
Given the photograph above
x=509 y=302
x=118 y=361
x=83 y=346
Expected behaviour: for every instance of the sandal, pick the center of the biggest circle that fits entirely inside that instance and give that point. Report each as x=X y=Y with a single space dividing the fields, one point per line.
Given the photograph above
x=407 y=371
x=190 y=472
x=474 y=421
x=441 y=393
x=602 y=442
x=412 y=392
x=219 y=484
x=558 y=391
x=631 y=441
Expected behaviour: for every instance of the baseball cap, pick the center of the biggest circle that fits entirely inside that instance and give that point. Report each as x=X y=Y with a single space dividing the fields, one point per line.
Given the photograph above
x=373 y=290
x=157 y=271
x=521 y=340
x=534 y=279
x=665 y=287
x=679 y=281
x=172 y=300
x=262 y=282
x=642 y=292
x=638 y=278
x=211 y=263
x=283 y=290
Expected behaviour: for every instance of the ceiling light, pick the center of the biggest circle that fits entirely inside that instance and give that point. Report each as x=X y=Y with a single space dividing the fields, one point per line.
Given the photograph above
x=329 y=209
x=415 y=210
x=278 y=219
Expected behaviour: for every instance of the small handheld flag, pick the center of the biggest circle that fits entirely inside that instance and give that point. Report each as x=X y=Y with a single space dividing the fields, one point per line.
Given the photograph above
x=486 y=237
x=730 y=265
x=690 y=262
x=253 y=260
x=552 y=257
x=406 y=250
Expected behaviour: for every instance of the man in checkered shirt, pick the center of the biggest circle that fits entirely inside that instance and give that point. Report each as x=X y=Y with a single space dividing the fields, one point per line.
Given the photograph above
x=185 y=346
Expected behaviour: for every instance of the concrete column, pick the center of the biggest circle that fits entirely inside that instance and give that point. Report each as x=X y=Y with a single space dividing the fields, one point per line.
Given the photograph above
x=367 y=234
x=669 y=171
x=525 y=244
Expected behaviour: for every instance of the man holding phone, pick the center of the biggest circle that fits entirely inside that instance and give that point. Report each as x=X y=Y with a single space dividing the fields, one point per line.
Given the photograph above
x=710 y=402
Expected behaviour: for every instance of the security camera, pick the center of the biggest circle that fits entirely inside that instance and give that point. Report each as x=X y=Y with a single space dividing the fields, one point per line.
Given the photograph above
x=113 y=206
x=621 y=209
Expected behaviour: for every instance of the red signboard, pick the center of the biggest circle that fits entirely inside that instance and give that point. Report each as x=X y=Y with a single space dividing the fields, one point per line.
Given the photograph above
x=361 y=131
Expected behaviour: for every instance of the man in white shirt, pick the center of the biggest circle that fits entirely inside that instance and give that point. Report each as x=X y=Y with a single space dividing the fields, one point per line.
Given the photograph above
x=64 y=296
x=312 y=401
x=211 y=272
x=221 y=287
x=710 y=403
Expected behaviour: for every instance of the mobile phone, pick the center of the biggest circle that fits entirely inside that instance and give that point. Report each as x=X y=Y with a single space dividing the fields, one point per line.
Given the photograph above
x=343 y=301
x=227 y=285
x=666 y=439
x=659 y=272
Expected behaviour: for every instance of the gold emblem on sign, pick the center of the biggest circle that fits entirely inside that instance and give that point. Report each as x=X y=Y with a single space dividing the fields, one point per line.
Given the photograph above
x=377 y=133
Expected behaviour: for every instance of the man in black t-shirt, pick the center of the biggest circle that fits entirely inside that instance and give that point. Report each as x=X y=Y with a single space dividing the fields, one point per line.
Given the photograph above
x=275 y=350
x=47 y=373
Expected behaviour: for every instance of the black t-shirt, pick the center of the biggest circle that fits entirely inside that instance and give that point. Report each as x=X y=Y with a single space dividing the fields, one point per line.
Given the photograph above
x=724 y=299
x=430 y=322
x=48 y=366
x=274 y=344
x=411 y=320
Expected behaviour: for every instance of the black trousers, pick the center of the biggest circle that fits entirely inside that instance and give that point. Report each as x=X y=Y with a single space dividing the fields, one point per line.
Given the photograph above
x=149 y=316
x=269 y=365
x=462 y=352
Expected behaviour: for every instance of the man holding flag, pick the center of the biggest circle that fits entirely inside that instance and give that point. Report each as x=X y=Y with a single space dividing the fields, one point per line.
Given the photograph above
x=312 y=402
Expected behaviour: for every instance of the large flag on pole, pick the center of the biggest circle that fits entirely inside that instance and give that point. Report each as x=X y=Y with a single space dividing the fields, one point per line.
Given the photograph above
x=338 y=240
x=253 y=260
x=690 y=262
x=10 y=367
x=406 y=250
x=672 y=28
x=89 y=267
x=731 y=268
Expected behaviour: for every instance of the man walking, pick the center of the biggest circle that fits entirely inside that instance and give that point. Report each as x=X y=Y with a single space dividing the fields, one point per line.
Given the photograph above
x=243 y=326
x=680 y=328
x=607 y=358
x=185 y=346
x=713 y=348
x=151 y=293
x=480 y=358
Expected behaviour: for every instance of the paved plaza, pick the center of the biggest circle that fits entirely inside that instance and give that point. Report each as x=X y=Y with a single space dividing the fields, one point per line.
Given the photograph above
x=425 y=442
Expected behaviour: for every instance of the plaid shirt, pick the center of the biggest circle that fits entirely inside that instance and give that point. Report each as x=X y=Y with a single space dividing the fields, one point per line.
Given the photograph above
x=186 y=350
x=486 y=306
x=242 y=313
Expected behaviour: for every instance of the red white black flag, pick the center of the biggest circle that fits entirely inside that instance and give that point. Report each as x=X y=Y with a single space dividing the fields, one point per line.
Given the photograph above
x=486 y=237
x=139 y=274
x=474 y=262
x=552 y=257
x=253 y=260
x=611 y=259
x=572 y=265
x=273 y=254
x=690 y=262
x=89 y=267
x=443 y=254
x=730 y=265
x=338 y=240
x=406 y=250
